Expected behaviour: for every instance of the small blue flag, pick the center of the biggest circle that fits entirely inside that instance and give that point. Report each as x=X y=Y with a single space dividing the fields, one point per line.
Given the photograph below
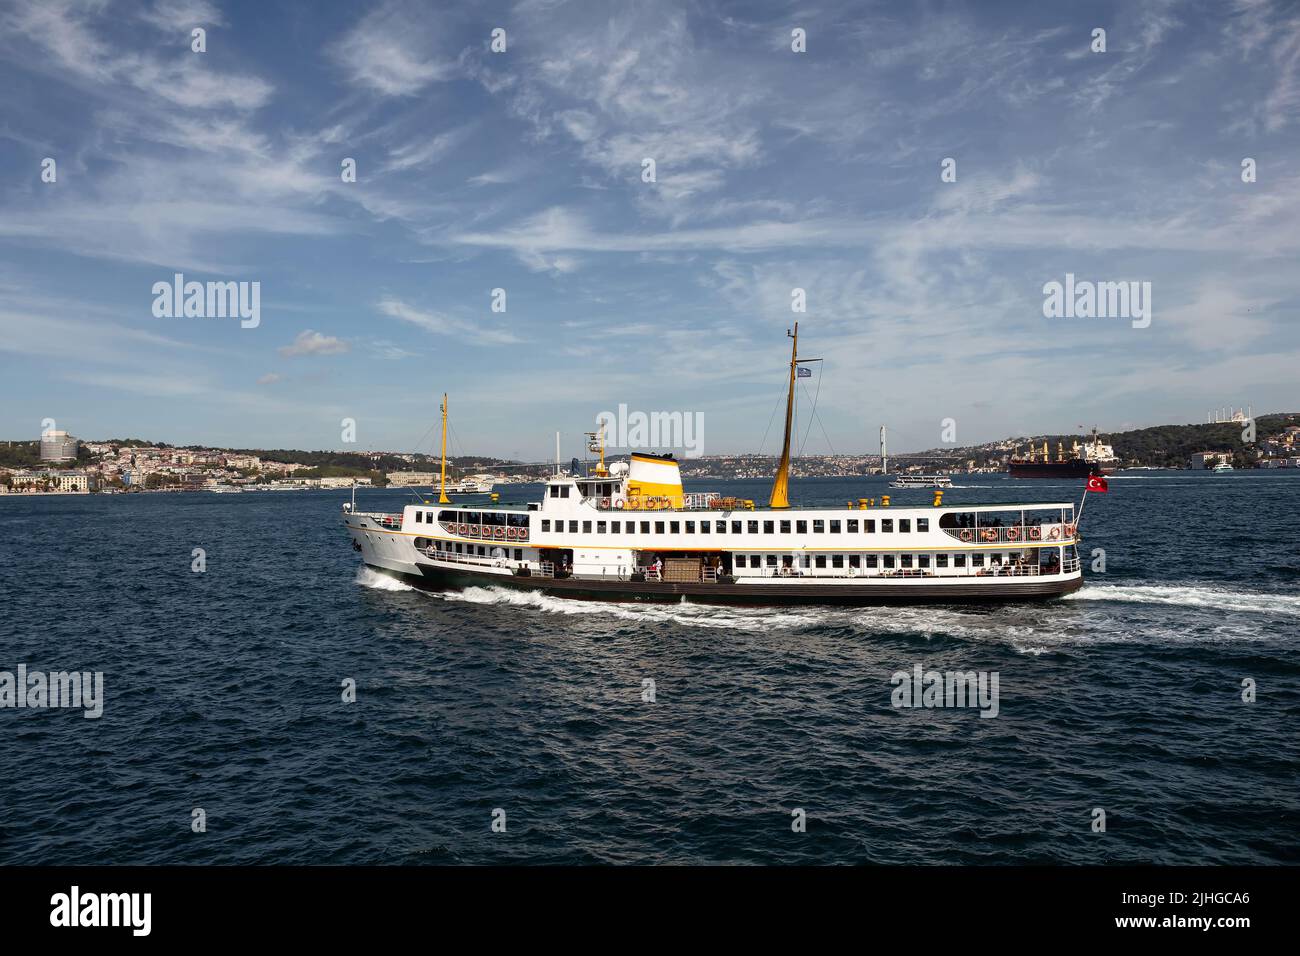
x=804 y=372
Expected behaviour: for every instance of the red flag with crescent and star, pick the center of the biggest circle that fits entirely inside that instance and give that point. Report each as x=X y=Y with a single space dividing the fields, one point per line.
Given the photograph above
x=1098 y=483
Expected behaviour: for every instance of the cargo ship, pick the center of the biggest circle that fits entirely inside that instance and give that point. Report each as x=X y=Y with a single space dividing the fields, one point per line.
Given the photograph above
x=630 y=532
x=1078 y=464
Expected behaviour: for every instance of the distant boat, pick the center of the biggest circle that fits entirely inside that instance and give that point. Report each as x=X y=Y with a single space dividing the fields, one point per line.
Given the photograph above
x=1221 y=467
x=921 y=481
x=225 y=490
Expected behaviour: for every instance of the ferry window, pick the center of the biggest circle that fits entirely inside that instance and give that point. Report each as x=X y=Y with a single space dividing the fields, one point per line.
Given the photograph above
x=977 y=560
x=573 y=527
x=922 y=560
x=419 y=517
x=868 y=525
x=904 y=525
x=555 y=491
x=720 y=527
x=614 y=526
x=821 y=560
x=460 y=548
x=889 y=561
x=690 y=527
x=771 y=560
x=907 y=560
x=785 y=527
x=837 y=561
x=600 y=527
x=481 y=551
x=886 y=525
x=519 y=554
x=659 y=527
x=819 y=526
x=546 y=524
x=675 y=527
x=804 y=561
x=735 y=527
x=801 y=527
x=645 y=527
x=872 y=560
x=586 y=527
x=941 y=560
x=959 y=560
x=922 y=524
x=769 y=527
x=740 y=560
x=564 y=491
x=704 y=527
x=752 y=527
x=835 y=526
x=855 y=561
x=853 y=526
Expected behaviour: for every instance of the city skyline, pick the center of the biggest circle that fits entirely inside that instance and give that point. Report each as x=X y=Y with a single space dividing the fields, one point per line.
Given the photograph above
x=523 y=171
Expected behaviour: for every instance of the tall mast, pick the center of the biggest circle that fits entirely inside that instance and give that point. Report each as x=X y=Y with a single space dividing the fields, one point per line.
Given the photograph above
x=442 y=493
x=781 y=486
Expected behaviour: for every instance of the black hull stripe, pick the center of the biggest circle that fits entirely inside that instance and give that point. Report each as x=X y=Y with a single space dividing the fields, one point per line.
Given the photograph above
x=433 y=578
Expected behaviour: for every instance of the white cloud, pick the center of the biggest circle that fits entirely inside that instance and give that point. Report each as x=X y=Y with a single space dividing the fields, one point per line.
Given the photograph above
x=310 y=342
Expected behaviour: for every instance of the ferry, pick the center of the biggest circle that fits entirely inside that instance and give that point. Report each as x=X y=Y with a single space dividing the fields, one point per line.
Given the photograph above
x=921 y=481
x=470 y=485
x=1223 y=467
x=630 y=532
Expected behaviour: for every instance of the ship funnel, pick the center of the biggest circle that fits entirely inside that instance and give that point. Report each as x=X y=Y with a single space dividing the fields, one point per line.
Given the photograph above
x=654 y=476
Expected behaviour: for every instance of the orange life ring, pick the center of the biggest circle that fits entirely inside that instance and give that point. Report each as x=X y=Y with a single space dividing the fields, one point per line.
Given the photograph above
x=604 y=502
x=988 y=534
x=1069 y=530
x=464 y=529
x=512 y=533
x=618 y=505
x=966 y=534
x=1013 y=534
x=498 y=532
x=1035 y=533
x=1056 y=533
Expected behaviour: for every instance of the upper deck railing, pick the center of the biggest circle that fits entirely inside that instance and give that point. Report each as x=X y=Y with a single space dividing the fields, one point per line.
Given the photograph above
x=1046 y=533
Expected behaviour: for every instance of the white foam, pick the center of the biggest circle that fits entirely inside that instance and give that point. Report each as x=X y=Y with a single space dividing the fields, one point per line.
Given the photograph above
x=683 y=612
x=368 y=577
x=1193 y=595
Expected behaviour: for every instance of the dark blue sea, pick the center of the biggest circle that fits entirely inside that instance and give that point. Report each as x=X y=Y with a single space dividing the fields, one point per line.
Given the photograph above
x=223 y=692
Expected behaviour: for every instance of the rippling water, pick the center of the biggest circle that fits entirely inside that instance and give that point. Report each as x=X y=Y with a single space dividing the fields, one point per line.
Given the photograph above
x=223 y=692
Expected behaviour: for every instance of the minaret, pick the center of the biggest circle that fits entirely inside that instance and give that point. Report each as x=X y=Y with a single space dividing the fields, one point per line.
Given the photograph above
x=884 y=453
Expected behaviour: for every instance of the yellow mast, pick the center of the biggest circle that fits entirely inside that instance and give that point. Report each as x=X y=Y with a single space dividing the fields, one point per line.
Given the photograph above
x=781 y=486
x=442 y=493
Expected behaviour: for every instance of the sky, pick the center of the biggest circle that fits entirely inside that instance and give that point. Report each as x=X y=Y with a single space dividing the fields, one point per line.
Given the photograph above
x=524 y=170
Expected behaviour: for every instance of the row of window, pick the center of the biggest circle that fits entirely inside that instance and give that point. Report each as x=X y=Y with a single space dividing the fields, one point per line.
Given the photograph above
x=819 y=526
x=870 y=560
x=492 y=518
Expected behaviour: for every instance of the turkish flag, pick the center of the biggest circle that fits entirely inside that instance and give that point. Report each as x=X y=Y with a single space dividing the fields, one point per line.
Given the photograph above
x=1098 y=483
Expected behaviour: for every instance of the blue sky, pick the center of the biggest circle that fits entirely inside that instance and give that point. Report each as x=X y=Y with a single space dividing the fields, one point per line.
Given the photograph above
x=522 y=170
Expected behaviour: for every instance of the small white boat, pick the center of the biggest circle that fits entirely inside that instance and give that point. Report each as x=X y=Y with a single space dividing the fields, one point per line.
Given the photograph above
x=1222 y=467
x=921 y=481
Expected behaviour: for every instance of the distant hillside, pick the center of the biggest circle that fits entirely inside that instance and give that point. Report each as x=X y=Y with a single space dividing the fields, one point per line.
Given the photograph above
x=1158 y=445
